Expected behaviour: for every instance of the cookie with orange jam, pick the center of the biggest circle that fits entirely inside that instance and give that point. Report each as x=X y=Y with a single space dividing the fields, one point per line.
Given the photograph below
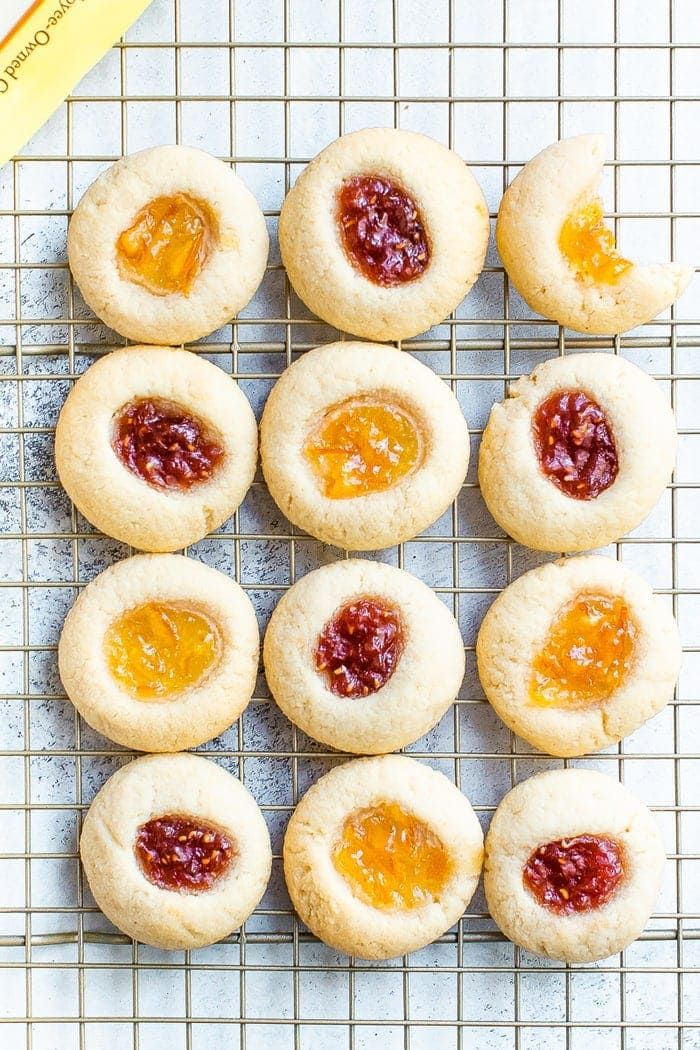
x=578 y=453
x=156 y=446
x=577 y=654
x=561 y=255
x=363 y=656
x=381 y=856
x=176 y=851
x=384 y=233
x=167 y=245
x=362 y=446
x=160 y=652
x=573 y=865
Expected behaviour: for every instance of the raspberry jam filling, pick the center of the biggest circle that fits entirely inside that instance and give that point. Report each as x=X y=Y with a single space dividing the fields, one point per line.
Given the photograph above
x=177 y=853
x=358 y=649
x=158 y=649
x=589 y=246
x=576 y=874
x=390 y=858
x=167 y=244
x=163 y=445
x=382 y=230
x=362 y=446
x=575 y=444
x=587 y=655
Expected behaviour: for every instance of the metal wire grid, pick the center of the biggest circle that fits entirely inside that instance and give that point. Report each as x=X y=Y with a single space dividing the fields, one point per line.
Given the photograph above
x=273 y=982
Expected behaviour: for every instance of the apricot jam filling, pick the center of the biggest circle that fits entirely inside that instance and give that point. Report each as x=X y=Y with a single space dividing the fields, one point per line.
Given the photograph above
x=167 y=244
x=179 y=853
x=361 y=446
x=587 y=655
x=159 y=649
x=359 y=648
x=164 y=445
x=382 y=230
x=390 y=858
x=589 y=246
x=575 y=444
x=575 y=875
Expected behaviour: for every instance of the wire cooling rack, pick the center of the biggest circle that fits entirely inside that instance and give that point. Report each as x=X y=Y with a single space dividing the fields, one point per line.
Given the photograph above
x=265 y=86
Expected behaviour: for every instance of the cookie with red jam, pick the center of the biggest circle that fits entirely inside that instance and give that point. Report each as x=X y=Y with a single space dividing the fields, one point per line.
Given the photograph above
x=362 y=446
x=363 y=657
x=560 y=254
x=577 y=654
x=167 y=245
x=176 y=851
x=573 y=865
x=384 y=233
x=381 y=856
x=578 y=453
x=156 y=446
x=160 y=652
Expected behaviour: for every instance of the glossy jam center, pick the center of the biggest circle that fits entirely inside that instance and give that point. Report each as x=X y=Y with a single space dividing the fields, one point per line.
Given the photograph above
x=158 y=650
x=574 y=875
x=575 y=445
x=167 y=244
x=163 y=445
x=382 y=230
x=589 y=246
x=358 y=649
x=177 y=853
x=390 y=858
x=587 y=655
x=363 y=446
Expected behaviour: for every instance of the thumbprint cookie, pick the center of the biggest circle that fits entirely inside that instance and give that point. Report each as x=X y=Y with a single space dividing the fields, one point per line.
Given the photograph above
x=167 y=245
x=560 y=255
x=363 y=657
x=362 y=446
x=577 y=654
x=573 y=865
x=578 y=453
x=384 y=233
x=381 y=856
x=156 y=446
x=176 y=851
x=160 y=652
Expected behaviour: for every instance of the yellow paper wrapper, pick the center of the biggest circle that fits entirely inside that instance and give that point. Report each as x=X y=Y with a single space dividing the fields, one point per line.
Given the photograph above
x=46 y=52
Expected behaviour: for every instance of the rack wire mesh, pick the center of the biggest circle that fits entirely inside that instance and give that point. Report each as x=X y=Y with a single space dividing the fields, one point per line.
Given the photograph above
x=265 y=87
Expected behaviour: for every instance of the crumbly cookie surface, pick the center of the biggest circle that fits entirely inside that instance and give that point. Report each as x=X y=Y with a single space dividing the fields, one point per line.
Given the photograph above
x=322 y=896
x=328 y=376
x=180 y=784
x=526 y=503
x=516 y=627
x=562 y=804
x=122 y=504
x=229 y=277
x=530 y=217
x=453 y=210
x=426 y=679
x=187 y=718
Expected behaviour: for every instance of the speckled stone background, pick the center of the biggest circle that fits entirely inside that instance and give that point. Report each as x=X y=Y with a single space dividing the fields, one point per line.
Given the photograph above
x=270 y=104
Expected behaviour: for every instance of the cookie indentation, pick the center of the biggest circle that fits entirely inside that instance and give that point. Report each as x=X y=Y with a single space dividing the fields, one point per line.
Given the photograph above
x=589 y=246
x=167 y=244
x=587 y=655
x=359 y=648
x=382 y=230
x=183 y=854
x=575 y=875
x=575 y=444
x=362 y=446
x=390 y=858
x=164 y=445
x=159 y=649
